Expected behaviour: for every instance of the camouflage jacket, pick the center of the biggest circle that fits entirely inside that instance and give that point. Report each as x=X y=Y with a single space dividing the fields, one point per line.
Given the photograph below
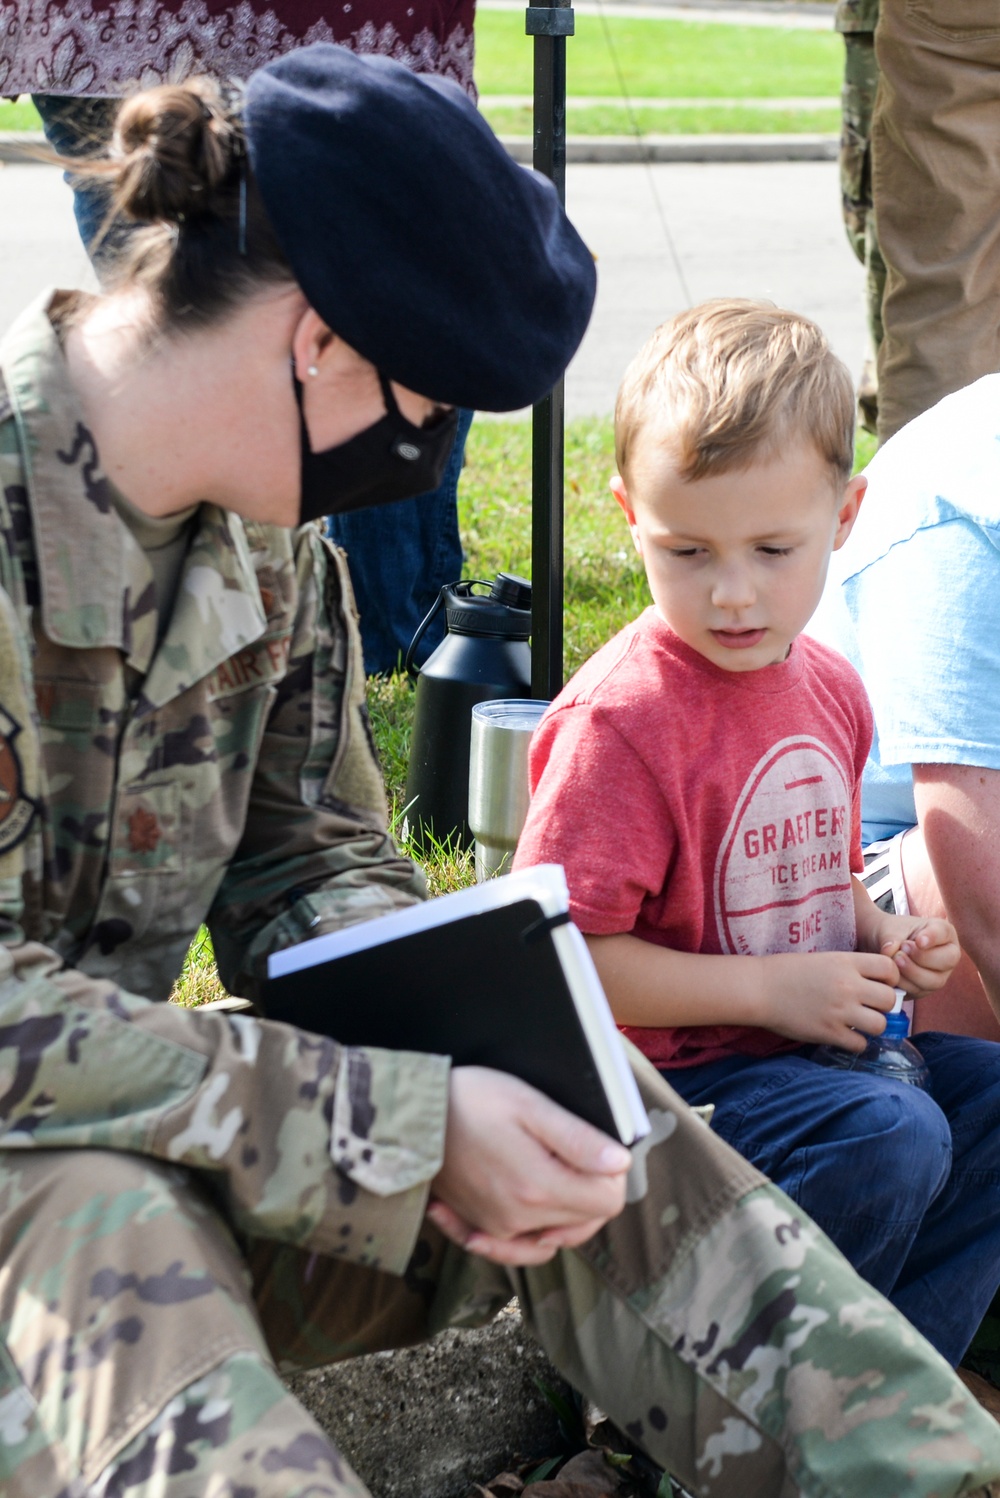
x=224 y=775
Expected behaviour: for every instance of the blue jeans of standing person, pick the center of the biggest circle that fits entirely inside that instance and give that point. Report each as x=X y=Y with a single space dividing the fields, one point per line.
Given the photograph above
x=906 y=1183
x=83 y=127
x=400 y=555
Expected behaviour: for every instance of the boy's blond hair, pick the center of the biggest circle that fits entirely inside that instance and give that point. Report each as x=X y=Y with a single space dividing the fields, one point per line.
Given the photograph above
x=733 y=380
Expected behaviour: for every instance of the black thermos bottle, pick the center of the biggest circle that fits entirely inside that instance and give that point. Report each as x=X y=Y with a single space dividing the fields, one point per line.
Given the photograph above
x=484 y=655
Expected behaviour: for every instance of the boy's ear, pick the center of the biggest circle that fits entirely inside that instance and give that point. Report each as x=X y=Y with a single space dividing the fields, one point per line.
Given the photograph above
x=854 y=493
x=621 y=494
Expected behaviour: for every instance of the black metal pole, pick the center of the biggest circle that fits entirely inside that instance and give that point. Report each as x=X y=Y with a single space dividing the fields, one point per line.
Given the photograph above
x=550 y=25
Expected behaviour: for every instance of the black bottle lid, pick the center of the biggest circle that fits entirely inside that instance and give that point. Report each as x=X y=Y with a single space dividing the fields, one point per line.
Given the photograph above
x=512 y=590
x=495 y=614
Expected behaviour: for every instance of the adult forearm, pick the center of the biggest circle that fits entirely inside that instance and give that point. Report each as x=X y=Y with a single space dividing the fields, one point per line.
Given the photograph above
x=950 y=861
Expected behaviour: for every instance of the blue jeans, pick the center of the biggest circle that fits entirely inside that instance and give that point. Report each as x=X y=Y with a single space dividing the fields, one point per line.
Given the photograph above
x=399 y=556
x=906 y=1183
x=83 y=127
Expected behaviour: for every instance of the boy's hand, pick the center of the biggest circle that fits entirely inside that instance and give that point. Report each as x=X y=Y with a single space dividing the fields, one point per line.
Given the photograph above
x=925 y=951
x=828 y=998
x=521 y=1177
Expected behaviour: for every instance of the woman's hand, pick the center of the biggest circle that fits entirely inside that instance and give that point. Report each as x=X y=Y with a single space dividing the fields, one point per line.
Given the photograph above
x=522 y=1177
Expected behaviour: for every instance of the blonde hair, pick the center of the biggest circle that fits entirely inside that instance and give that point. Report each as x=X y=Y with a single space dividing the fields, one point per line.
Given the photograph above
x=732 y=380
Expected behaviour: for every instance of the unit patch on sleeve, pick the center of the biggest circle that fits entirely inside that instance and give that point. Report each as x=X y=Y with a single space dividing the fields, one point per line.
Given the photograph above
x=16 y=808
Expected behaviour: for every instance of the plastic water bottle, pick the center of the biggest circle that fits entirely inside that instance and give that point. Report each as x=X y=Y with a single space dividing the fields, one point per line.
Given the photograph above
x=890 y=1054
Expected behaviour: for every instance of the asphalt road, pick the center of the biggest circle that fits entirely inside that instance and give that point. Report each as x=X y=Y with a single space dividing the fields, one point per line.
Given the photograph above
x=665 y=236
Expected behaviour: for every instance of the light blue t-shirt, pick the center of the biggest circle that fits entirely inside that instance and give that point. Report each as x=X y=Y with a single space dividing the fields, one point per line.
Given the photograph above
x=913 y=600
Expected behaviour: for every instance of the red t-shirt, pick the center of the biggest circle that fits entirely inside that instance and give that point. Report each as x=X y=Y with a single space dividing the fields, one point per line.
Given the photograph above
x=705 y=810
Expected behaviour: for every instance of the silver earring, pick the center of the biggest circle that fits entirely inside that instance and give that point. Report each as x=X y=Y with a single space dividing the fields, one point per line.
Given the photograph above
x=312 y=370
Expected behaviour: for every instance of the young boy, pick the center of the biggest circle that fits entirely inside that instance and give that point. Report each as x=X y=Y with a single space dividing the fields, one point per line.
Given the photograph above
x=699 y=780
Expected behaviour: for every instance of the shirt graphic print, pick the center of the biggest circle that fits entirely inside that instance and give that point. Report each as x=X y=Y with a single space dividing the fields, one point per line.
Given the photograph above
x=782 y=876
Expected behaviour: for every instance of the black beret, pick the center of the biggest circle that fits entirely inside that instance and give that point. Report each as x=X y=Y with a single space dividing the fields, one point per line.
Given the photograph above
x=412 y=232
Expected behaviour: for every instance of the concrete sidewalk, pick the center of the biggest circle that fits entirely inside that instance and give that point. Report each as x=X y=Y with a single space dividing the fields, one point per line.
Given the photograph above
x=665 y=235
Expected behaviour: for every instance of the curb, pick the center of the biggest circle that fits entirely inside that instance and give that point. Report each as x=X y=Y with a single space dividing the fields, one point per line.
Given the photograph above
x=16 y=146
x=607 y=149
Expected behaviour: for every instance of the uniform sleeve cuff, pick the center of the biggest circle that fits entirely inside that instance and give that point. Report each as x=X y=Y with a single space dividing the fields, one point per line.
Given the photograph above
x=387 y=1141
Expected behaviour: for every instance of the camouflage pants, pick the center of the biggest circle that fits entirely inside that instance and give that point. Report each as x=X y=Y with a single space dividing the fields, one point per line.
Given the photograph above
x=856 y=112
x=712 y=1320
x=857 y=107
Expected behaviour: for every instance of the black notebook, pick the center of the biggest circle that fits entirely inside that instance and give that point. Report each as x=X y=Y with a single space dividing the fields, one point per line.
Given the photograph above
x=496 y=975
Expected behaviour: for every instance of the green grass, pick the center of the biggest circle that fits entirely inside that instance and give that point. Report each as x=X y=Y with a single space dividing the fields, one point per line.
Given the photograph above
x=658 y=59
x=612 y=120
x=605 y=585
x=198 y=982
x=665 y=59
x=865 y=446
x=19 y=114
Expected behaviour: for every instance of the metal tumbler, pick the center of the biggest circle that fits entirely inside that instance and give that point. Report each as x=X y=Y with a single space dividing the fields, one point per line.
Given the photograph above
x=498 y=779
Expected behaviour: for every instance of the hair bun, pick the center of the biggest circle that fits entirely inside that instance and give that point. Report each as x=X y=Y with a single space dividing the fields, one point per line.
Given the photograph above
x=175 y=146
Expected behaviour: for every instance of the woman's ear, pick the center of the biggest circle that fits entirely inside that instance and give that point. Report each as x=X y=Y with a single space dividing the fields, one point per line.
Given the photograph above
x=311 y=342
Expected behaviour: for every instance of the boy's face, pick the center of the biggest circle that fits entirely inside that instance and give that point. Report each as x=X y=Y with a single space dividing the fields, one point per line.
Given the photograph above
x=736 y=561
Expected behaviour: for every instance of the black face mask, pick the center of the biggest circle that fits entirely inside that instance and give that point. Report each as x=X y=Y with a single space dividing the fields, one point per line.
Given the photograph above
x=392 y=459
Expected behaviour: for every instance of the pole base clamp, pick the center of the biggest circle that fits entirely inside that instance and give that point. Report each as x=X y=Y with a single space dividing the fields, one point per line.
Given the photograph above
x=549 y=20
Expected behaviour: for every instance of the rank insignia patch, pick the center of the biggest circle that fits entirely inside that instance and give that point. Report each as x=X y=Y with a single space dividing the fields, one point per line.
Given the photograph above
x=16 y=808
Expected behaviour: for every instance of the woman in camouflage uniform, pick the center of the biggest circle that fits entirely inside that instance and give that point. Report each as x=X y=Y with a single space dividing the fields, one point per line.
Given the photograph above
x=189 y=1202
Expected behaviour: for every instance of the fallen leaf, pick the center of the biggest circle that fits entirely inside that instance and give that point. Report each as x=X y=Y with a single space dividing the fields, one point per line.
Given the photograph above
x=587 y=1475
x=593 y=1419
x=504 y=1485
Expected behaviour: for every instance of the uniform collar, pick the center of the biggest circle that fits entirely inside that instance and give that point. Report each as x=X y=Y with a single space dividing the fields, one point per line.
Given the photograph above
x=96 y=584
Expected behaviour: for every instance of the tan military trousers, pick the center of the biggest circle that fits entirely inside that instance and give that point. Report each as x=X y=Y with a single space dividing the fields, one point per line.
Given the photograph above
x=936 y=175
x=711 y=1319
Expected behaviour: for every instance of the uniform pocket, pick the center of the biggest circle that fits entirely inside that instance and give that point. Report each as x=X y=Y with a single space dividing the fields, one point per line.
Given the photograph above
x=957 y=20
